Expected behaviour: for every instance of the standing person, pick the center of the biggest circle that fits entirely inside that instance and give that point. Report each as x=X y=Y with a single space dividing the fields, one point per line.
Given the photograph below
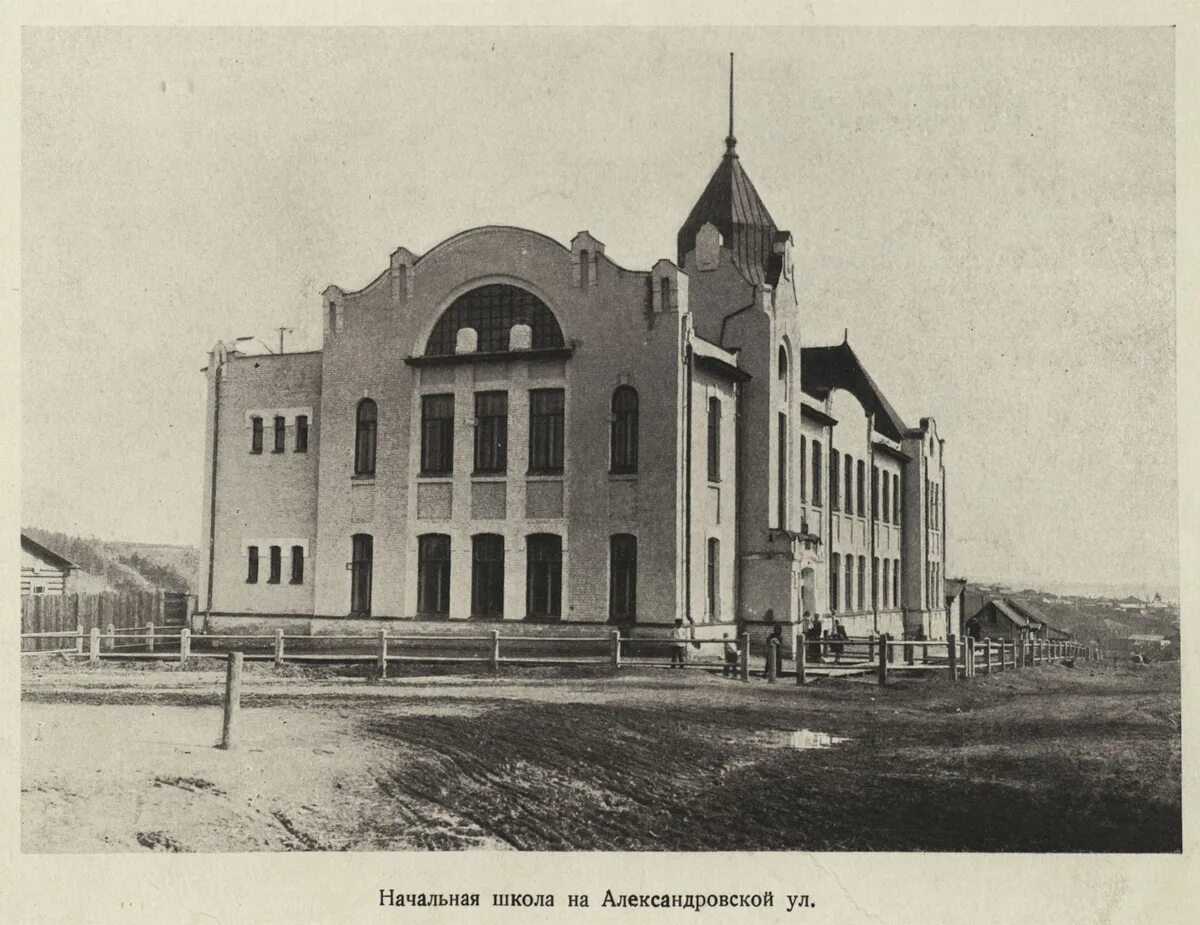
x=679 y=637
x=774 y=650
x=731 y=659
x=839 y=633
x=814 y=648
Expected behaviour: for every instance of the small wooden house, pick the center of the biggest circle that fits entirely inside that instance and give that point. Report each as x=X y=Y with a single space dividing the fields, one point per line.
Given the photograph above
x=43 y=571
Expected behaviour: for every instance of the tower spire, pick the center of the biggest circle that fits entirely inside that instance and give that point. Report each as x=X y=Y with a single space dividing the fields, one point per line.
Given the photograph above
x=730 y=141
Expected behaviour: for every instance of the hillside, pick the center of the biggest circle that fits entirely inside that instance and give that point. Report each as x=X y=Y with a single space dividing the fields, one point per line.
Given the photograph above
x=117 y=565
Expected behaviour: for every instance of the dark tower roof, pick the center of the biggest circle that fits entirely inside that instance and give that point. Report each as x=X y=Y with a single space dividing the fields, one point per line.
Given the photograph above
x=732 y=205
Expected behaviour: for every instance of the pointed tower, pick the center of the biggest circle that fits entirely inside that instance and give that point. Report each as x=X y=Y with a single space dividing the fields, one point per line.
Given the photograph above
x=731 y=204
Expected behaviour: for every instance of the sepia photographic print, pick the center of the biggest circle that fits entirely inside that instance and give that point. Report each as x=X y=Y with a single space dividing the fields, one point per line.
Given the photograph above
x=439 y=442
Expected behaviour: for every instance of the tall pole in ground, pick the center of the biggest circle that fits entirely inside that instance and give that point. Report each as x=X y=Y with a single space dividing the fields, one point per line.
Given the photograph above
x=233 y=697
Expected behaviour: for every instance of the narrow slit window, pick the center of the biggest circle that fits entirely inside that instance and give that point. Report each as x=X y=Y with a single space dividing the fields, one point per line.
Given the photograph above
x=297 y=565
x=301 y=444
x=251 y=565
x=256 y=434
x=714 y=439
x=280 y=434
x=276 y=566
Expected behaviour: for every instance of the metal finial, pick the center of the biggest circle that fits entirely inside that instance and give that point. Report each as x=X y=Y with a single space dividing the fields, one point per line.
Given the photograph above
x=730 y=141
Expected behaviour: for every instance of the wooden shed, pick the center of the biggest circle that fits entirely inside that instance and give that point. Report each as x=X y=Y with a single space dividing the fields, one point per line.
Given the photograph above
x=43 y=571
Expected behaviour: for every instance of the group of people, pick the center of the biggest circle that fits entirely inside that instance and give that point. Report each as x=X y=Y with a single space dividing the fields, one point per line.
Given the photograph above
x=814 y=635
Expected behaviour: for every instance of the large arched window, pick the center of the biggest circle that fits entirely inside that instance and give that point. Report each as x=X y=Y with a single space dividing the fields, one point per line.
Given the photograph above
x=364 y=438
x=492 y=310
x=625 y=429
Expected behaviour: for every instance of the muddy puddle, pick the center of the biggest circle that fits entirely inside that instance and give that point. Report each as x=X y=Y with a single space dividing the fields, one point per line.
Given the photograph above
x=804 y=739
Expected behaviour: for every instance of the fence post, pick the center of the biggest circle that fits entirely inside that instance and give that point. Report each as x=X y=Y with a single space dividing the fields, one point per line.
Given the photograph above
x=149 y=637
x=495 y=657
x=79 y=639
x=952 y=655
x=744 y=656
x=801 y=662
x=987 y=655
x=278 y=646
x=883 y=659
x=909 y=653
x=185 y=645
x=233 y=697
x=94 y=644
x=615 y=651
x=772 y=659
x=111 y=636
x=871 y=647
x=382 y=660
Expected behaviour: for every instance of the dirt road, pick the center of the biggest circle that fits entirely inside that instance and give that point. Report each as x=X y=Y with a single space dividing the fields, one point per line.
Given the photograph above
x=1047 y=759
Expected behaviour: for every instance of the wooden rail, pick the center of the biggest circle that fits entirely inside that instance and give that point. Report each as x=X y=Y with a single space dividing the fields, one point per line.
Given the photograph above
x=880 y=655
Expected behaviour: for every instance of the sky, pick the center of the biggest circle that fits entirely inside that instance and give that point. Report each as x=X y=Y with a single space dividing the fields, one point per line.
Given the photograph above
x=988 y=212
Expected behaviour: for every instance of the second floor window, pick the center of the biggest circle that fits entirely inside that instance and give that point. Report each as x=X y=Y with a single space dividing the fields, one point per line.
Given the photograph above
x=546 y=430
x=491 y=432
x=276 y=566
x=256 y=435
x=364 y=442
x=835 y=480
x=301 y=445
x=624 y=430
x=297 y=565
x=280 y=434
x=861 y=471
x=714 y=439
x=895 y=499
x=437 y=434
x=816 y=473
x=251 y=564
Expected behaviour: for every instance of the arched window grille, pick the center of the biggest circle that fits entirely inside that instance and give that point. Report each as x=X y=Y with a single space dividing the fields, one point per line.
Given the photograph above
x=492 y=310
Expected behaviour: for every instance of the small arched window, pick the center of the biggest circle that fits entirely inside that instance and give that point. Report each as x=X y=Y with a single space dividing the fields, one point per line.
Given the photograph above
x=625 y=429
x=364 y=439
x=332 y=317
x=783 y=364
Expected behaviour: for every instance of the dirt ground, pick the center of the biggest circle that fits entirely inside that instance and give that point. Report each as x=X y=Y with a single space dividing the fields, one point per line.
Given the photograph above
x=1047 y=759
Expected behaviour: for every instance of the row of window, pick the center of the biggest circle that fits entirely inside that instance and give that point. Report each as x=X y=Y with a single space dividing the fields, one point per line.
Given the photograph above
x=546 y=433
x=275 y=565
x=934 y=589
x=543 y=594
x=847 y=481
x=847 y=583
x=279 y=445
x=933 y=505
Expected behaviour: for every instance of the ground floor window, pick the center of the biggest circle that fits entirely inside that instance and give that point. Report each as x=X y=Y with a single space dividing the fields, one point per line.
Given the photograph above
x=544 y=576
x=714 y=580
x=433 y=574
x=622 y=585
x=362 y=555
x=487 y=575
x=835 y=562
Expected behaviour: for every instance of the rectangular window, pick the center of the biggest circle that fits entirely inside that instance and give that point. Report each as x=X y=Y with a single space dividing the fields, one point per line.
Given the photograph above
x=546 y=430
x=895 y=583
x=280 y=434
x=886 y=513
x=714 y=581
x=544 y=576
x=297 y=565
x=433 y=574
x=491 y=432
x=875 y=583
x=803 y=468
x=714 y=440
x=850 y=602
x=362 y=568
x=437 y=434
x=862 y=582
x=874 y=491
x=487 y=575
x=835 y=480
x=256 y=435
x=849 y=496
x=861 y=469
x=251 y=564
x=887 y=583
x=781 y=465
x=896 y=499
x=817 y=469
x=276 y=566
x=301 y=444
x=835 y=562
x=622 y=582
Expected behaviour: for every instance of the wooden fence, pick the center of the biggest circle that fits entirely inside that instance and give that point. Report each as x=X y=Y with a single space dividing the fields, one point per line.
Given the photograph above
x=60 y=613
x=877 y=655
